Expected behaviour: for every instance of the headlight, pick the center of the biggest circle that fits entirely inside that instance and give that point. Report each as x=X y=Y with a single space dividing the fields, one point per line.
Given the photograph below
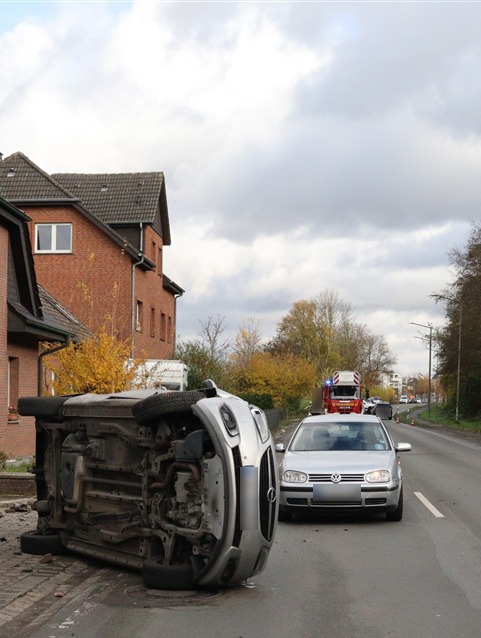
x=261 y=423
x=378 y=476
x=293 y=476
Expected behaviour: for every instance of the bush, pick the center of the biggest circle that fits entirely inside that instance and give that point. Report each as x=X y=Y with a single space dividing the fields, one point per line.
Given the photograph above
x=262 y=401
x=3 y=459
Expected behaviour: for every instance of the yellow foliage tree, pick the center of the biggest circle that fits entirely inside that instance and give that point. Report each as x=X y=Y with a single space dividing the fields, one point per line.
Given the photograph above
x=100 y=365
x=286 y=378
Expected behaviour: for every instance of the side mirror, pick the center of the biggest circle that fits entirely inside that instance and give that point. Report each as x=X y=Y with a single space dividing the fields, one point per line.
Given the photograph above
x=403 y=447
x=280 y=447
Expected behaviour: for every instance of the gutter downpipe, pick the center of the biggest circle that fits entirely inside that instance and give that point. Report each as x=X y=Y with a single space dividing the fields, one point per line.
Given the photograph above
x=40 y=363
x=132 y=311
x=175 y=319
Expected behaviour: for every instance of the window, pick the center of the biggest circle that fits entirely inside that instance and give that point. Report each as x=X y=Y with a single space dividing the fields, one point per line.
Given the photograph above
x=159 y=262
x=152 y=322
x=139 y=316
x=162 y=326
x=153 y=254
x=169 y=330
x=12 y=381
x=53 y=238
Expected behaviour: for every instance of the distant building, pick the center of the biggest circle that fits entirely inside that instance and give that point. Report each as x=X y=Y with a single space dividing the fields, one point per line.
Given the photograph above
x=393 y=380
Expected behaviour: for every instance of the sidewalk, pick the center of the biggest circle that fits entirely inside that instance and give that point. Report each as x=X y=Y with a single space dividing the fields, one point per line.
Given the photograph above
x=32 y=585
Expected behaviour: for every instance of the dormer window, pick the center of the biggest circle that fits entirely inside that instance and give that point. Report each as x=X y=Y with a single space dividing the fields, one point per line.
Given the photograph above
x=53 y=238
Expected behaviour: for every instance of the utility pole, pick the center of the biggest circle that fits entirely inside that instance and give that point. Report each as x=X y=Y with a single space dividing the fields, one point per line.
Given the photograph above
x=429 y=326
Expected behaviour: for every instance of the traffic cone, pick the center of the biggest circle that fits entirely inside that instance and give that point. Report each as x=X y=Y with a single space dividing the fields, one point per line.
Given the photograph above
x=412 y=421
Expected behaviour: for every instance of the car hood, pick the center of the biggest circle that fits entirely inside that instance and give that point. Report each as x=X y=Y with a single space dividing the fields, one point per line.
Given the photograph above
x=343 y=462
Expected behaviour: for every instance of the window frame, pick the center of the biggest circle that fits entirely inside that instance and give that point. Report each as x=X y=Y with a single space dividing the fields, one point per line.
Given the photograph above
x=53 y=249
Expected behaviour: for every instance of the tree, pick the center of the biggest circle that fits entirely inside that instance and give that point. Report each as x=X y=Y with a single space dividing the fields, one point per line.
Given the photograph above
x=323 y=331
x=211 y=336
x=463 y=304
x=207 y=356
x=99 y=364
x=247 y=342
x=202 y=365
x=286 y=378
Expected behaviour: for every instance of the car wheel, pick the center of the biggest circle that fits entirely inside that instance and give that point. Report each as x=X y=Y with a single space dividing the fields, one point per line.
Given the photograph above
x=41 y=406
x=397 y=514
x=41 y=544
x=158 y=576
x=285 y=515
x=165 y=403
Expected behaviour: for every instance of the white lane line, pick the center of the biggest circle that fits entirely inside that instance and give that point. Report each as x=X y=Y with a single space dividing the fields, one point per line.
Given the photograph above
x=429 y=505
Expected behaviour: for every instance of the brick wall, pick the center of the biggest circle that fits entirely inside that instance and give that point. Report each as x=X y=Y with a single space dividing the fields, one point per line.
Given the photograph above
x=17 y=438
x=3 y=328
x=158 y=305
x=17 y=484
x=94 y=282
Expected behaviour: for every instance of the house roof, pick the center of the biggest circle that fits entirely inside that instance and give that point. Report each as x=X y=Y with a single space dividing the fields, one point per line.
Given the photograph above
x=117 y=198
x=25 y=314
x=22 y=179
x=114 y=198
x=55 y=313
x=23 y=183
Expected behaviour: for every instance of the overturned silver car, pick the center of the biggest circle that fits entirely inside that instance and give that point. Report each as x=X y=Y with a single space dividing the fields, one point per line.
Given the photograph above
x=179 y=485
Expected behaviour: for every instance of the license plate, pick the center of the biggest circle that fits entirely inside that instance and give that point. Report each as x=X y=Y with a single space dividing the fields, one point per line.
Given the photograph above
x=336 y=492
x=249 y=497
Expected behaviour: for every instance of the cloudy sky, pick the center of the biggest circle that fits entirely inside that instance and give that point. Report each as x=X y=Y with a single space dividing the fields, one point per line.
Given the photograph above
x=305 y=145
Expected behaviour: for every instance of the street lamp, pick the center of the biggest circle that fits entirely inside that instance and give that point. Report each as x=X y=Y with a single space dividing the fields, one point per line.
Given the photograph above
x=458 y=374
x=413 y=323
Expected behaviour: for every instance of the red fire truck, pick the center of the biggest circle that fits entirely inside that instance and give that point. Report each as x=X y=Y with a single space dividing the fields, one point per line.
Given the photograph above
x=340 y=393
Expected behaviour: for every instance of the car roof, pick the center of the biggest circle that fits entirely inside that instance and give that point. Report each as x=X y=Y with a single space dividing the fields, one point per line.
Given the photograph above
x=341 y=418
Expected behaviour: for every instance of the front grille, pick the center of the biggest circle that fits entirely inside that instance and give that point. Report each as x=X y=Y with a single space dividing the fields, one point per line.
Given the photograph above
x=267 y=494
x=345 y=478
x=236 y=455
x=340 y=504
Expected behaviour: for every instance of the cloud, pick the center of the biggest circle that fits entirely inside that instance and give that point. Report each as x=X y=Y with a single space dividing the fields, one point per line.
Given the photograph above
x=305 y=145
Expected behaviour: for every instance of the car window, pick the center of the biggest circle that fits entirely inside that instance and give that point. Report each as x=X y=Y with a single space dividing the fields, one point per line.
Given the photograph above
x=334 y=436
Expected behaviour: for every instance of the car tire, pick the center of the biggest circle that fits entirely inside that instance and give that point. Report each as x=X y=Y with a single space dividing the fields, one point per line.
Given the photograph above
x=174 y=577
x=41 y=544
x=397 y=514
x=41 y=406
x=165 y=403
x=285 y=515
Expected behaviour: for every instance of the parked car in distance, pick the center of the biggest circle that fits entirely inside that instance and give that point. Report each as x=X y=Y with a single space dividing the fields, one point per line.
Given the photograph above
x=341 y=462
x=383 y=410
x=181 y=486
x=403 y=398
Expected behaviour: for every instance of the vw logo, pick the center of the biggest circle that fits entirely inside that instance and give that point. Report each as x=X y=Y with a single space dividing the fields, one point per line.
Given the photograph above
x=336 y=478
x=271 y=495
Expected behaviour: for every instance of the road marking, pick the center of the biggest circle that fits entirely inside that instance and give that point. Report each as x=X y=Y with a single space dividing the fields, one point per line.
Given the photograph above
x=429 y=505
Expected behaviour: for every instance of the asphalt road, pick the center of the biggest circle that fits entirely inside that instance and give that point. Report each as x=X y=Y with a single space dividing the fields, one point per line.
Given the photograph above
x=345 y=577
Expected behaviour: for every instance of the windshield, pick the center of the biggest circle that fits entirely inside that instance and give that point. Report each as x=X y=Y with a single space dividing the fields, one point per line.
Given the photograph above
x=333 y=436
x=343 y=391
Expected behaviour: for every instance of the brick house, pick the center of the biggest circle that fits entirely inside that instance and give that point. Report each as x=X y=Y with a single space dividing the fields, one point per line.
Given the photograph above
x=98 y=243
x=23 y=325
